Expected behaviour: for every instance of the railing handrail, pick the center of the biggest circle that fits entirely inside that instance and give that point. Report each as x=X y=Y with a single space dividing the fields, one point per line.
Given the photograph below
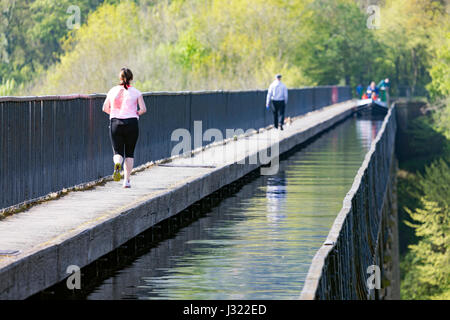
x=318 y=264
x=147 y=93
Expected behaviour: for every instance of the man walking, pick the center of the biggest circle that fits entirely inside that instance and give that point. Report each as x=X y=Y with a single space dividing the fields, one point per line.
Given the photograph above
x=278 y=94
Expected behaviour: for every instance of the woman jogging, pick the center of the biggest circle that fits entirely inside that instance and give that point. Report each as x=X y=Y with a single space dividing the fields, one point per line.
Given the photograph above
x=122 y=106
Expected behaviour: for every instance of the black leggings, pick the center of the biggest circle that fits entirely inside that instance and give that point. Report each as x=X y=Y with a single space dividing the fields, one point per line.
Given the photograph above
x=124 y=134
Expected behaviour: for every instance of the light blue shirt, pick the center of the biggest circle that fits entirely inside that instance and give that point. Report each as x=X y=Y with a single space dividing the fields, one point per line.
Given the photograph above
x=277 y=91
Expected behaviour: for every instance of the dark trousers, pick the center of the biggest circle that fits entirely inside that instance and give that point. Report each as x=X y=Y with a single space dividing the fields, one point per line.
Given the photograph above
x=278 y=107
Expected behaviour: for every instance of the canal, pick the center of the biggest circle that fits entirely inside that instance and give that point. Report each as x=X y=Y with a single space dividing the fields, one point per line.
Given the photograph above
x=259 y=242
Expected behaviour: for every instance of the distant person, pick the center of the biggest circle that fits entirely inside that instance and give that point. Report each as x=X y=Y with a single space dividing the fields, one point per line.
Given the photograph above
x=359 y=90
x=374 y=95
x=365 y=96
x=384 y=86
x=278 y=95
x=373 y=88
x=122 y=106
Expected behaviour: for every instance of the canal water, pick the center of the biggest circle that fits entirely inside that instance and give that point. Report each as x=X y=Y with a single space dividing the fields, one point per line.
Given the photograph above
x=259 y=242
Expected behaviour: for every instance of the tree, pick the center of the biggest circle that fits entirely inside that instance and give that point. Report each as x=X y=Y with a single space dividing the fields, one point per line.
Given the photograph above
x=109 y=37
x=337 y=46
x=183 y=45
x=439 y=87
x=407 y=27
x=30 y=34
x=426 y=266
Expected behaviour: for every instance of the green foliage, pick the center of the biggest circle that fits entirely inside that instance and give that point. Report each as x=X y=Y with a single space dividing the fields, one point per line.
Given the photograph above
x=110 y=35
x=408 y=196
x=434 y=183
x=442 y=117
x=426 y=197
x=7 y=87
x=336 y=44
x=30 y=34
x=181 y=45
x=407 y=27
x=233 y=44
x=427 y=265
x=189 y=52
x=426 y=142
x=439 y=87
x=440 y=71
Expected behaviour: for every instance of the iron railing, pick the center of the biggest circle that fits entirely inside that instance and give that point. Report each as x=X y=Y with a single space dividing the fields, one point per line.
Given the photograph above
x=49 y=143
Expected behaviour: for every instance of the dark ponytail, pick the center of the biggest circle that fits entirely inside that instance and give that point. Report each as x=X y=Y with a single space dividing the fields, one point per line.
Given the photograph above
x=125 y=77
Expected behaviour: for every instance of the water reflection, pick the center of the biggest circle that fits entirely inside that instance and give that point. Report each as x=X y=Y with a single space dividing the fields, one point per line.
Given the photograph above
x=259 y=243
x=276 y=192
x=367 y=129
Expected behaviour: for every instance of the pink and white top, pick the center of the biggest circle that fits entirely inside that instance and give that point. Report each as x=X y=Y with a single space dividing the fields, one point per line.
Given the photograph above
x=123 y=102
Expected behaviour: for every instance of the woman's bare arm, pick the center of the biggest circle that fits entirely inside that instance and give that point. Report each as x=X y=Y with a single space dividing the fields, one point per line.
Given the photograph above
x=107 y=106
x=142 y=107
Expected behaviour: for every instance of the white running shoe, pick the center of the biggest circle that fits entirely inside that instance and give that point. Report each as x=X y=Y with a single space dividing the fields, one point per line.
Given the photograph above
x=126 y=184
